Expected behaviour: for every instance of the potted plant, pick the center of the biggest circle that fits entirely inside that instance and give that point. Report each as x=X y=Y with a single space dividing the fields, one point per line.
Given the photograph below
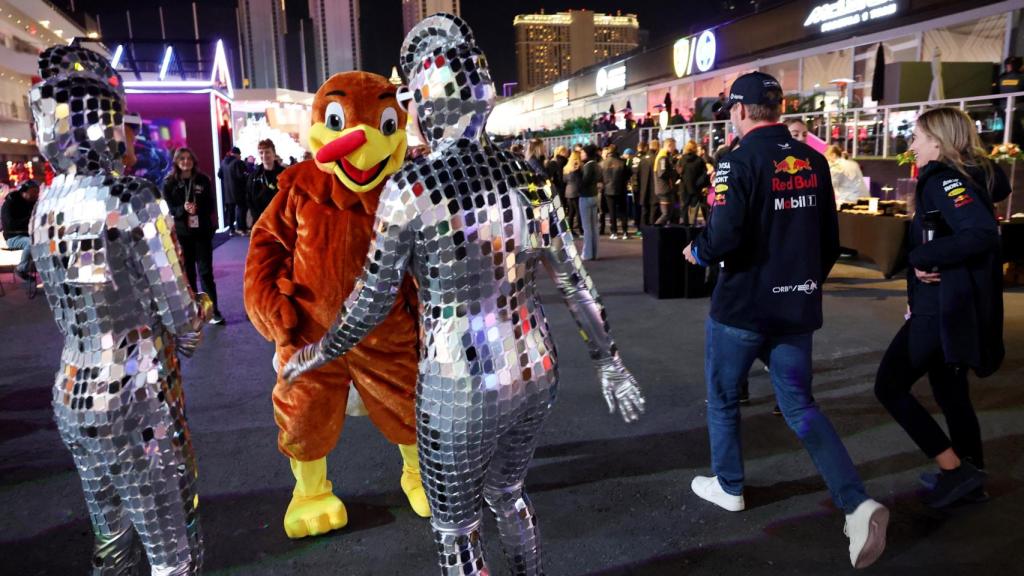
x=1009 y=152
x=908 y=157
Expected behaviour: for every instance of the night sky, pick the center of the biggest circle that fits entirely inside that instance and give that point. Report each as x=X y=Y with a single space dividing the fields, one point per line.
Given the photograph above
x=382 y=22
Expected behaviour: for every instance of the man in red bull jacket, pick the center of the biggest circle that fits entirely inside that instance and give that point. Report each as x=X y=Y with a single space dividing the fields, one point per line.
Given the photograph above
x=774 y=230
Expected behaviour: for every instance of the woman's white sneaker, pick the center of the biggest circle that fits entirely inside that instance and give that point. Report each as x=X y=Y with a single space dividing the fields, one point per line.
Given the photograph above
x=708 y=488
x=866 y=529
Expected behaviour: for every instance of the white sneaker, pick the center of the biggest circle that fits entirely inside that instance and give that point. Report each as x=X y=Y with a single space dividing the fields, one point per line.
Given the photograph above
x=613 y=237
x=866 y=530
x=708 y=488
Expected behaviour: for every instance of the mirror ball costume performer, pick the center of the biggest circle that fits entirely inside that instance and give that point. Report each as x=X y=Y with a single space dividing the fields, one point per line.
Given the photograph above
x=473 y=229
x=105 y=249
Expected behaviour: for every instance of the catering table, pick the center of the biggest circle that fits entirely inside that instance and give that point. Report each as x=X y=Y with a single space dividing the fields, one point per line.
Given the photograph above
x=880 y=239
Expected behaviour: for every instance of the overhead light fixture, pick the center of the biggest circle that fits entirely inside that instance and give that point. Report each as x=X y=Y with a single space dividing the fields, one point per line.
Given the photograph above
x=45 y=23
x=93 y=35
x=59 y=33
x=167 y=62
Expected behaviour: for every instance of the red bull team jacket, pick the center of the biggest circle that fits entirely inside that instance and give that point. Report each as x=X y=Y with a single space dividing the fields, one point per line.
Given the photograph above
x=775 y=232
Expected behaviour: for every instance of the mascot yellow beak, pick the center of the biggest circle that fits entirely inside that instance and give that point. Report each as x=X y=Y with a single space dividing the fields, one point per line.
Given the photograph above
x=361 y=156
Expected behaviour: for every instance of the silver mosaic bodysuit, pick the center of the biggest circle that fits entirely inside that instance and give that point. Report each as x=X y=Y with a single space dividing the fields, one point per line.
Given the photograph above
x=105 y=250
x=468 y=222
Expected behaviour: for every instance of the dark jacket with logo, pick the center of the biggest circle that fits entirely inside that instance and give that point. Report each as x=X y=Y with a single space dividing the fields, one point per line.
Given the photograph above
x=554 y=169
x=262 y=188
x=591 y=176
x=774 y=228
x=665 y=175
x=199 y=190
x=615 y=176
x=645 y=179
x=232 y=179
x=965 y=249
x=693 y=175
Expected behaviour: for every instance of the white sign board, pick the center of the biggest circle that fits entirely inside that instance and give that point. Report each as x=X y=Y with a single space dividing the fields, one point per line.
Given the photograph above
x=845 y=13
x=693 y=51
x=609 y=79
x=560 y=94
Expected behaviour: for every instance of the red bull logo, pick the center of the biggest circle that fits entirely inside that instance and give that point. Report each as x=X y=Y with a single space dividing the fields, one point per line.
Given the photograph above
x=791 y=165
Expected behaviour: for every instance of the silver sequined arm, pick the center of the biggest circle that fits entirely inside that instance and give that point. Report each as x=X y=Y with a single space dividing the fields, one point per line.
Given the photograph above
x=563 y=261
x=156 y=249
x=618 y=385
x=375 y=292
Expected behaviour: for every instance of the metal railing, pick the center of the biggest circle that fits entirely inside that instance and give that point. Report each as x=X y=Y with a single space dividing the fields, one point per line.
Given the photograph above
x=879 y=132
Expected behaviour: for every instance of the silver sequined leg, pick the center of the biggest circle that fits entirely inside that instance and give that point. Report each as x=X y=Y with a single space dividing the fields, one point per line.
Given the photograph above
x=503 y=491
x=452 y=465
x=159 y=493
x=116 y=551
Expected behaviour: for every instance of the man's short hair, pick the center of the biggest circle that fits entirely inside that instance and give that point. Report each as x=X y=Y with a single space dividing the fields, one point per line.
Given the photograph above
x=764 y=112
x=266 y=143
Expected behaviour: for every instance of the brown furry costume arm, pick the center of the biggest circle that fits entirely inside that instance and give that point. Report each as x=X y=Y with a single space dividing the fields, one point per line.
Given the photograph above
x=268 y=266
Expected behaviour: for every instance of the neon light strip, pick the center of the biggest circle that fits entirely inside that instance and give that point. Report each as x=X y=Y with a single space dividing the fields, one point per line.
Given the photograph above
x=168 y=84
x=117 y=56
x=220 y=66
x=130 y=90
x=214 y=124
x=167 y=62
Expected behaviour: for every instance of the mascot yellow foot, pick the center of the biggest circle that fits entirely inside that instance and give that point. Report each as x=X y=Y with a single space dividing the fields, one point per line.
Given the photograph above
x=412 y=484
x=314 y=509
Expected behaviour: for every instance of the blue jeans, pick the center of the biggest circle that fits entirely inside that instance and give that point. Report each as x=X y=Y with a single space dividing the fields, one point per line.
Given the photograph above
x=23 y=243
x=588 y=214
x=729 y=354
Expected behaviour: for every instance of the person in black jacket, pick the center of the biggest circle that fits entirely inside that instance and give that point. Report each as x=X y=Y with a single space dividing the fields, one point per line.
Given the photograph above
x=615 y=175
x=590 y=179
x=233 y=180
x=693 y=179
x=15 y=217
x=191 y=198
x=646 y=199
x=573 y=174
x=262 y=186
x=775 y=231
x=554 y=170
x=535 y=157
x=666 y=180
x=955 y=294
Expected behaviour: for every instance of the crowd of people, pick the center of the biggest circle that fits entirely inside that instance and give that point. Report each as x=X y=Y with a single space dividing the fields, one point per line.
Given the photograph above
x=595 y=185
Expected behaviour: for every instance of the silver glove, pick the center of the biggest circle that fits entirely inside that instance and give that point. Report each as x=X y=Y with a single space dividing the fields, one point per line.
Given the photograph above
x=620 y=388
x=188 y=342
x=309 y=357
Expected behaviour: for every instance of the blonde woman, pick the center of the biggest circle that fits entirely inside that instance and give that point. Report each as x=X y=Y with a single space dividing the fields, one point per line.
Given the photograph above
x=956 y=303
x=573 y=181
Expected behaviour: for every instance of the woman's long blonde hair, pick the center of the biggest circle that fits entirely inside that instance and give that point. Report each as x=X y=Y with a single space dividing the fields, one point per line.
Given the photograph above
x=959 y=143
x=574 y=162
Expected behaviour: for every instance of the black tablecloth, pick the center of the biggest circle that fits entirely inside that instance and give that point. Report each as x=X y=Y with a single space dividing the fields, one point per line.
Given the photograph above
x=880 y=239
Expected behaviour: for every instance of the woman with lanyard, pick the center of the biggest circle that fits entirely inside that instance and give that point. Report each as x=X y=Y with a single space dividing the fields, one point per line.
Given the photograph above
x=191 y=199
x=955 y=312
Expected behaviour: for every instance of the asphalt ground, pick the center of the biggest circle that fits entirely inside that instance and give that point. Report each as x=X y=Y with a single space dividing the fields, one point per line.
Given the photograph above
x=611 y=498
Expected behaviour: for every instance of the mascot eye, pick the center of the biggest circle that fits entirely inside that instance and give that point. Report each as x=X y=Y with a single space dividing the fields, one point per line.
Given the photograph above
x=389 y=121
x=334 y=117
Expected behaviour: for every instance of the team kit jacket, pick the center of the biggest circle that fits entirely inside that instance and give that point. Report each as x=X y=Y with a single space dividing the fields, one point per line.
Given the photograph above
x=774 y=229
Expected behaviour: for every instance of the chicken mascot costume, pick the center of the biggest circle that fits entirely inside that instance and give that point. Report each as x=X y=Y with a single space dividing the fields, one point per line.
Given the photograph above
x=305 y=255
